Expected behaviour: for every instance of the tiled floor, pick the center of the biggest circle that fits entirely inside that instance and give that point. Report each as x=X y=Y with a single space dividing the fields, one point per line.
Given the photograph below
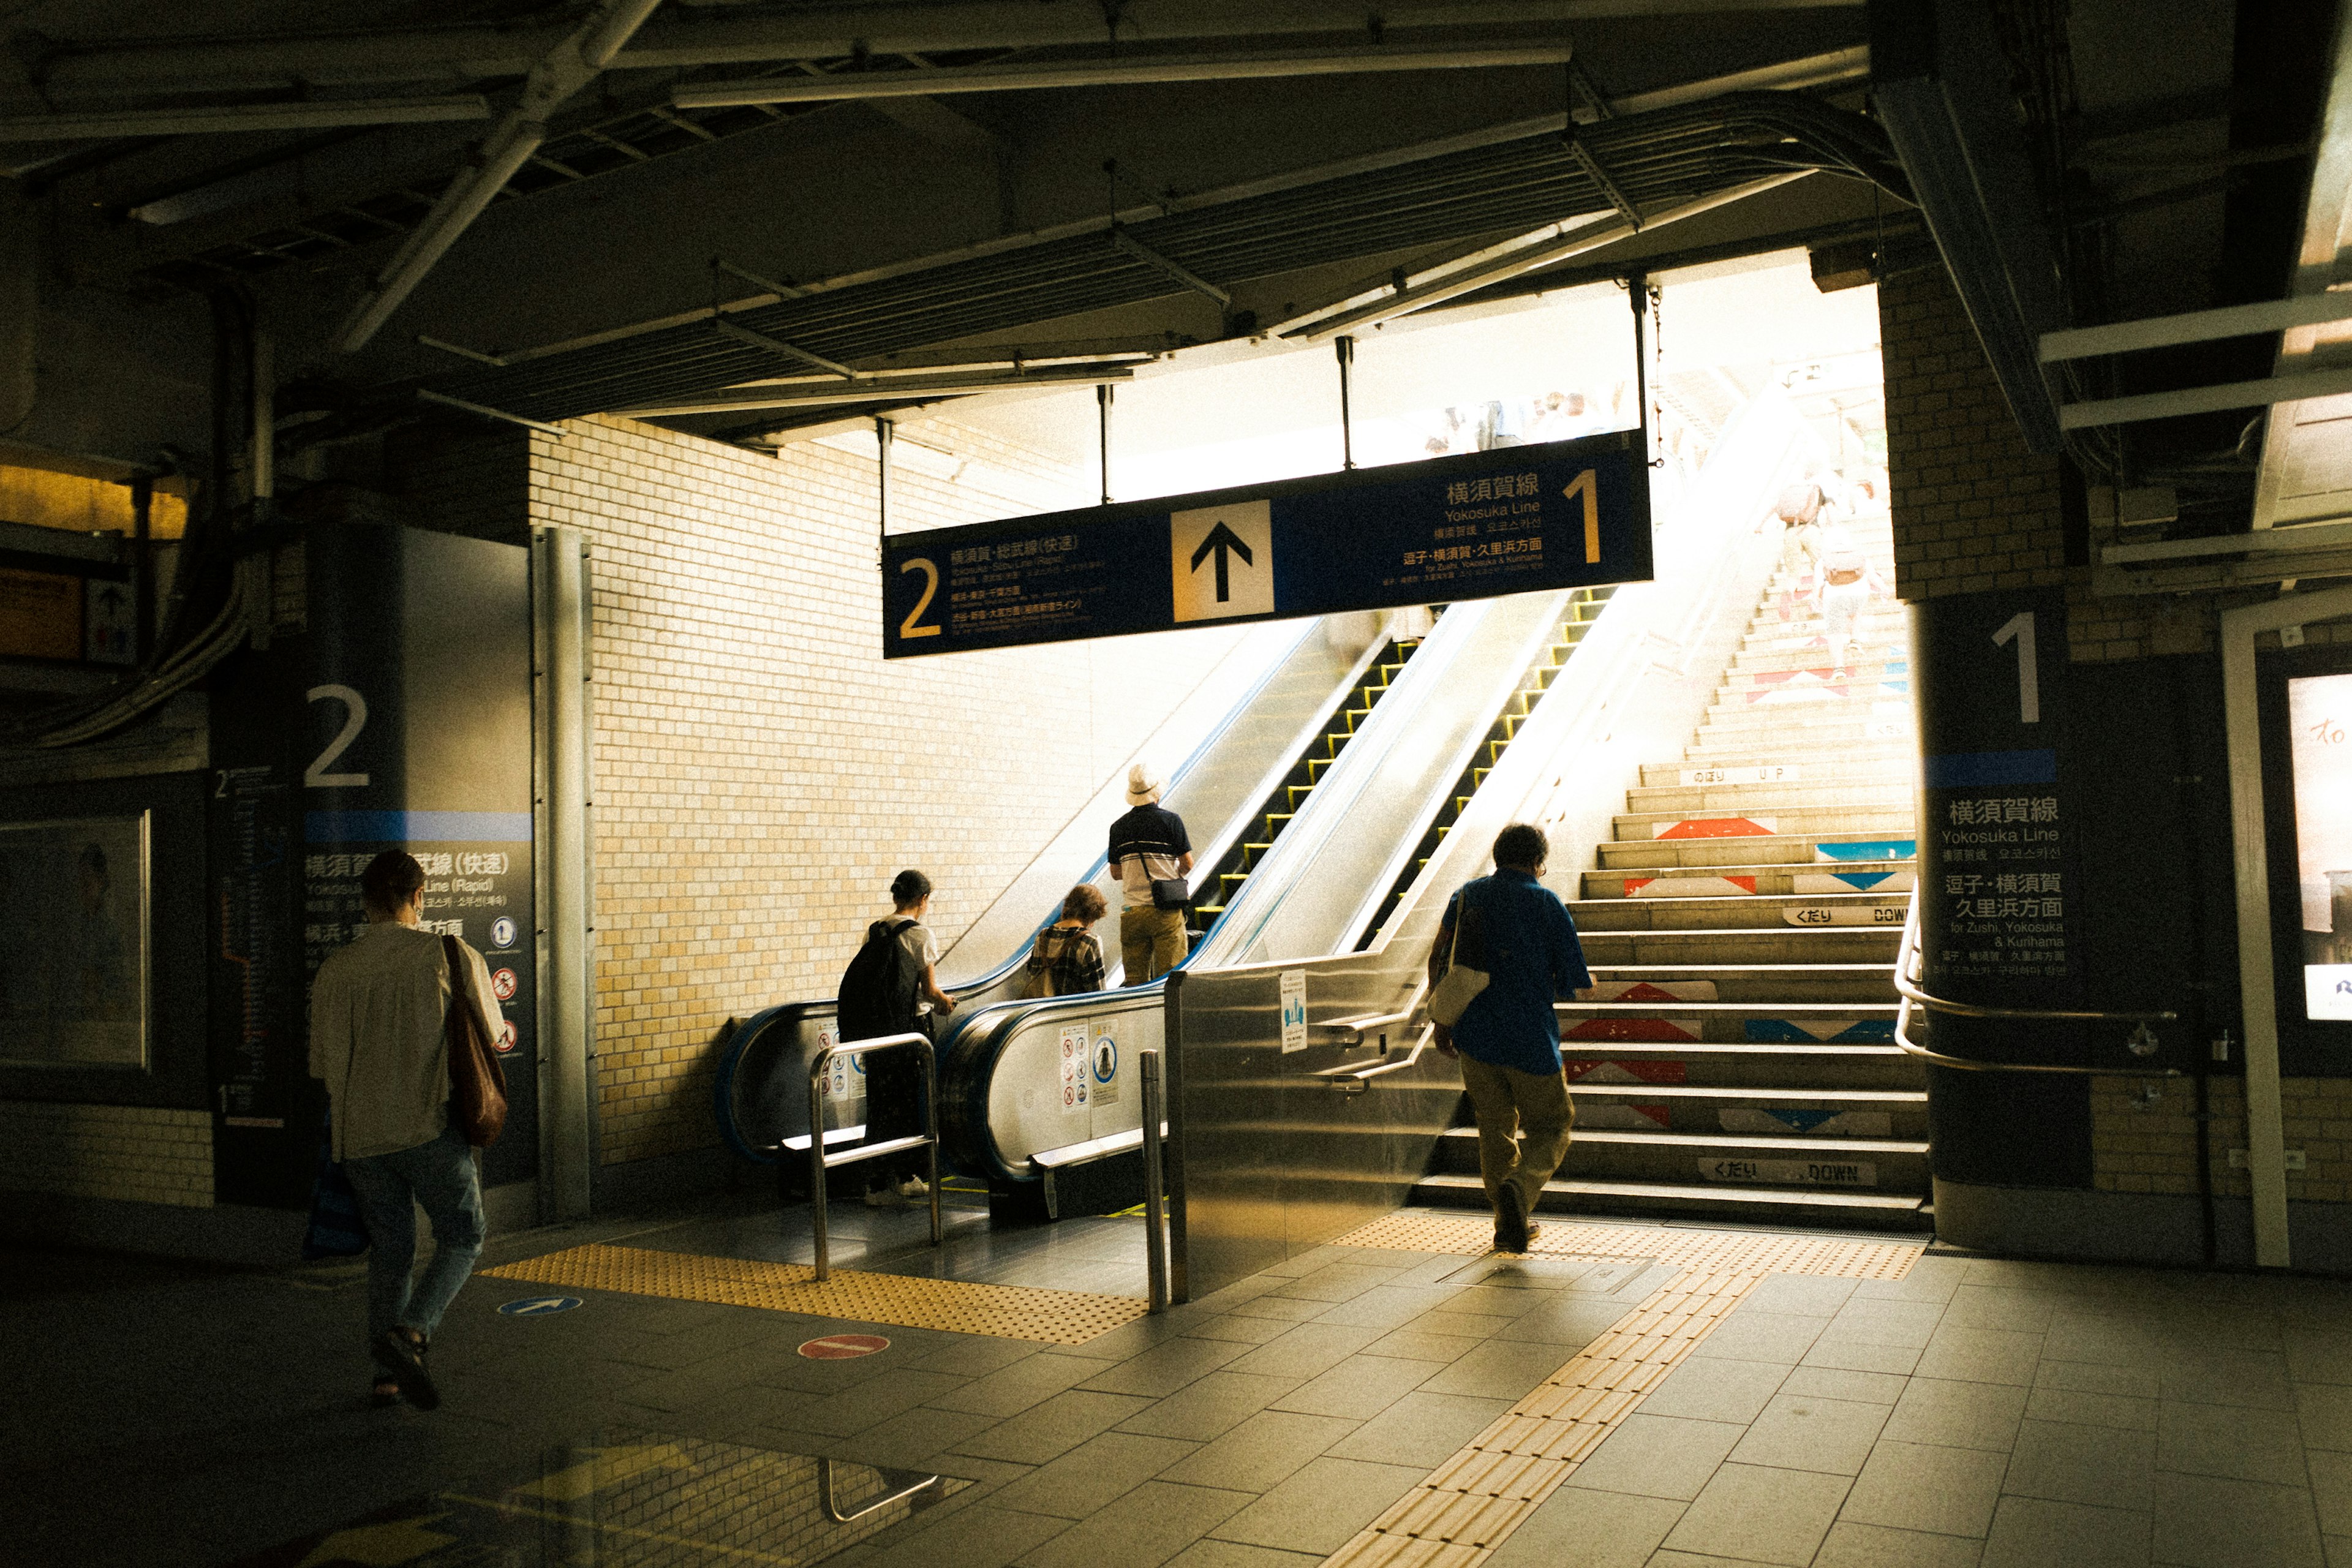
x=1970 y=1413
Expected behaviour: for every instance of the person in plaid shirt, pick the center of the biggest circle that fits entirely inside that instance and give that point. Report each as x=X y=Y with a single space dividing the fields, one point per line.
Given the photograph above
x=1068 y=959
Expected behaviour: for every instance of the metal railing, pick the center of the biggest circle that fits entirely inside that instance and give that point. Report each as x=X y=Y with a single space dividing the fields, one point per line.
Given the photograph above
x=1155 y=1204
x=1908 y=985
x=827 y=1495
x=820 y=1162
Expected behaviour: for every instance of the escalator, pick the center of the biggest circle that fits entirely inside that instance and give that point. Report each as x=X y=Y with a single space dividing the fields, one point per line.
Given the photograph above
x=1223 y=882
x=1278 y=708
x=1034 y=1090
x=1584 y=608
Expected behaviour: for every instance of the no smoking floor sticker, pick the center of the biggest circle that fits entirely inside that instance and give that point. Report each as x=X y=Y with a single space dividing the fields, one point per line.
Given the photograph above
x=843 y=1347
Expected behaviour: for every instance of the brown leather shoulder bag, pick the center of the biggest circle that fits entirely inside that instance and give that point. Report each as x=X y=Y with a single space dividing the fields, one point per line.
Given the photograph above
x=477 y=1084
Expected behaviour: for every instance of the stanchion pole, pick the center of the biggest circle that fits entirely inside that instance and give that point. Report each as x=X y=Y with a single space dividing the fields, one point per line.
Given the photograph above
x=823 y=1060
x=1155 y=1208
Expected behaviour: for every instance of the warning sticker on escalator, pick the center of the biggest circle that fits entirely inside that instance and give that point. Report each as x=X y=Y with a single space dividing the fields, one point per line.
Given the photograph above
x=1105 y=1069
x=1076 y=1057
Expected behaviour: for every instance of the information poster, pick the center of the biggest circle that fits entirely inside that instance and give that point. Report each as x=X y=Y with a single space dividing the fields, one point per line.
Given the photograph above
x=1515 y=519
x=2319 y=729
x=1998 y=878
x=73 y=919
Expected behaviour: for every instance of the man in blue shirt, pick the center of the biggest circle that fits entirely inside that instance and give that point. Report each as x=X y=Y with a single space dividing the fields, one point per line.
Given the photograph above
x=1516 y=929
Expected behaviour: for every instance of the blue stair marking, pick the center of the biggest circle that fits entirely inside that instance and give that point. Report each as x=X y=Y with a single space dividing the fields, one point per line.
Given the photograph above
x=1870 y=849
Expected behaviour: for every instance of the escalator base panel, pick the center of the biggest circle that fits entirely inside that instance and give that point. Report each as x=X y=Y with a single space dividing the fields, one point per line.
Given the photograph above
x=1718 y=1251
x=963 y=1306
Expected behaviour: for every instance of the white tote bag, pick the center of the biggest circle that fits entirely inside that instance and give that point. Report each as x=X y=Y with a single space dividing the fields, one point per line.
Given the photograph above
x=1461 y=984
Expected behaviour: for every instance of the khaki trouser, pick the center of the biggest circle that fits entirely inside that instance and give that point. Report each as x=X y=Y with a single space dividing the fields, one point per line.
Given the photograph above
x=1152 y=942
x=1523 y=1120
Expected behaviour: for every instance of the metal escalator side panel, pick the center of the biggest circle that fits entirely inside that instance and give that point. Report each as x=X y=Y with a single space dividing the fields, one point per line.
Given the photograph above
x=1190 y=749
x=1010 y=1092
x=1220 y=866
x=1276 y=684
x=1311 y=892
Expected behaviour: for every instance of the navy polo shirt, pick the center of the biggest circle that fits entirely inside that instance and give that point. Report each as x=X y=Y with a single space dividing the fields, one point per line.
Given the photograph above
x=1521 y=935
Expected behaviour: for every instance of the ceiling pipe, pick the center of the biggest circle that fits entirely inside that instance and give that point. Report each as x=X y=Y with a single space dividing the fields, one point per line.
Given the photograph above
x=564 y=72
x=214 y=118
x=1108 y=72
x=1592 y=235
x=456 y=55
x=879 y=389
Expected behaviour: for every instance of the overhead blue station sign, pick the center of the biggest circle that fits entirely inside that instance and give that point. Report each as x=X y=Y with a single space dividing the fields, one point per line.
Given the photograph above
x=1518 y=519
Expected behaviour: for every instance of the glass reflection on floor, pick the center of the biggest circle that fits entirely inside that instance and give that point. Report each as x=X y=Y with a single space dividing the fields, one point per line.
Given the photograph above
x=625 y=1499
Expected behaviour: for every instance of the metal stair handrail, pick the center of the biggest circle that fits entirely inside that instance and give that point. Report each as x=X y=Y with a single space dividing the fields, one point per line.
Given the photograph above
x=1907 y=983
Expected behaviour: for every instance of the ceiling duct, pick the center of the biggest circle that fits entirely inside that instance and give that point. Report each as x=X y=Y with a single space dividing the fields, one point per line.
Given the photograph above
x=1668 y=158
x=1937 y=87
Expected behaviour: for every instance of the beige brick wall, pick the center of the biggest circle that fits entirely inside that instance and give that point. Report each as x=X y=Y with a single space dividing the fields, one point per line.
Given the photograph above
x=2150 y=1146
x=1974 y=510
x=107 y=1152
x=761 y=773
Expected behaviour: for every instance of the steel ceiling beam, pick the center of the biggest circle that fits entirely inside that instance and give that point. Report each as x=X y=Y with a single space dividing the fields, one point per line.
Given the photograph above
x=877 y=389
x=221 y=117
x=1115 y=72
x=564 y=70
x=79 y=73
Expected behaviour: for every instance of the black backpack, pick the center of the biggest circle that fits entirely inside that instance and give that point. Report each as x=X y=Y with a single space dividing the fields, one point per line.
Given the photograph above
x=878 y=989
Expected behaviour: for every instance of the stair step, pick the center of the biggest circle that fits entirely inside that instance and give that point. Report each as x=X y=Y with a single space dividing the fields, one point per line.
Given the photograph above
x=1760 y=659
x=1820 y=730
x=1864 y=850
x=1779 y=945
x=1674 y=883
x=1753 y=1206
x=1737 y=798
x=1892 y=817
x=1867 y=1165
x=1797 y=751
x=1766 y=984
x=1731 y=1063
x=1795 y=764
x=1816 y=1116
x=1812 y=911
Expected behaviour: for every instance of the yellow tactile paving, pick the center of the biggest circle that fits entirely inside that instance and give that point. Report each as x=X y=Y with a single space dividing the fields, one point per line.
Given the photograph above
x=1008 y=1311
x=1469 y=1504
x=1715 y=1251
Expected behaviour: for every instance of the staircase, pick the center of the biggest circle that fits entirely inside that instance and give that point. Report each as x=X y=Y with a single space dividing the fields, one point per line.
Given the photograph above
x=1739 y=1063
x=1276 y=812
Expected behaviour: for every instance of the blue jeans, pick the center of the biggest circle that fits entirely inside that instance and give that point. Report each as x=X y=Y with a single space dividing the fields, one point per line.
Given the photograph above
x=440 y=1178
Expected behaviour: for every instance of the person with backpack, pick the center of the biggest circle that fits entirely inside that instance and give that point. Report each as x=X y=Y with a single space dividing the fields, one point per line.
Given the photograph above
x=1066 y=958
x=1153 y=858
x=891 y=988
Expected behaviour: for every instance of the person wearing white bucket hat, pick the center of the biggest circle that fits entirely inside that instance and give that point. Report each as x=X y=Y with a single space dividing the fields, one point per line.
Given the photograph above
x=1153 y=858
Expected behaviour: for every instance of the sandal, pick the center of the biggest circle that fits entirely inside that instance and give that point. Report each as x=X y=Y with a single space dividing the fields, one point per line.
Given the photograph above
x=400 y=1353
x=384 y=1395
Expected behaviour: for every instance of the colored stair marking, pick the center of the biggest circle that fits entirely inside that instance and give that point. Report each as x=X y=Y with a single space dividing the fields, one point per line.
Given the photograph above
x=1819 y=1122
x=1589 y=1071
x=1654 y=990
x=1714 y=827
x=1869 y=849
x=1819 y=1031
x=1634 y=1030
x=1853 y=881
x=1688 y=887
